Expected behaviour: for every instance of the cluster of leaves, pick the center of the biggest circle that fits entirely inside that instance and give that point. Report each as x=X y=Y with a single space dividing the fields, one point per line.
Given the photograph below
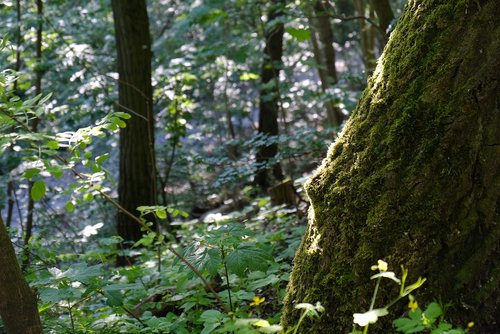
x=84 y=293
x=417 y=321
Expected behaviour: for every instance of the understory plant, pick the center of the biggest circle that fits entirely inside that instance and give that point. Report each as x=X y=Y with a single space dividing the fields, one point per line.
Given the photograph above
x=417 y=320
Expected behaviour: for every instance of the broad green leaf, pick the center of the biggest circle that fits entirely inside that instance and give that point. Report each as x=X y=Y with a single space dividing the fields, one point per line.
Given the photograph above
x=57 y=295
x=406 y=325
x=247 y=257
x=299 y=34
x=162 y=214
x=52 y=144
x=114 y=296
x=38 y=190
x=70 y=206
x=29 y=173
x=211 y=316
x=433 y=311
x=88 y=197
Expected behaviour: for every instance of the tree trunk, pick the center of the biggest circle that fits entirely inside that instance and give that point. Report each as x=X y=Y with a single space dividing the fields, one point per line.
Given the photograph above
x=18 y=306
x=269 y=96
x=34 y=128
x=415 y=177
x=384 y=14
x=137 y=181
x=324 y=54
x=367 y=37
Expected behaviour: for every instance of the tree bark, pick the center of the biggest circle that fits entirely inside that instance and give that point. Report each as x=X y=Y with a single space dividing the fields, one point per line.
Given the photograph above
x=137 y=181
x=269 y=97
x=324 y=54
x=367 y=32
x=384 y=14
x=18 y=305
x=34 y=128
x=415 y=177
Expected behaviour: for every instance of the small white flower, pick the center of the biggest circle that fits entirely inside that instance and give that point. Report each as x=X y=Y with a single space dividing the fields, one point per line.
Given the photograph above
x=369 y=317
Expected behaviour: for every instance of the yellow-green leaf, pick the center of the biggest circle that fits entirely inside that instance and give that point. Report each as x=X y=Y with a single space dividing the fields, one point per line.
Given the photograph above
x=38 y=190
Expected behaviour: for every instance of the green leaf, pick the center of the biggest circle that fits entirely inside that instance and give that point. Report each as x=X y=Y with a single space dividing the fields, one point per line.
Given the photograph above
x=299 y=34
x=259 y=283
x=57 y=295
x=114 y=296
x=88 y=197
x=123 y=115
x=245 y=257
x=29 y=173
x=44 y=99
x=444 y=326
x=248 y=76
x=52 y=144
x=211 y=316
x=38 y=190
x=102 y=158
x=162 y=214
x=70 y=206
x=406 y=325
x=433 y=311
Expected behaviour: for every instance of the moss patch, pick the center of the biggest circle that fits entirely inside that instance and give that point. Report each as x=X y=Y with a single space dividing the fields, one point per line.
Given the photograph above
x=406 y=180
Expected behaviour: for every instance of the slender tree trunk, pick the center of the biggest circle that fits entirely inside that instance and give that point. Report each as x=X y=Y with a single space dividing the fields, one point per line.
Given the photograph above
x=367 y=37
x=18 y=306
x=10 y=202
x=414 y=179
x=34 y=128
x=137 y=181
x=17 y=66
x=269 y=97
x=324 y=54
x=385 y=15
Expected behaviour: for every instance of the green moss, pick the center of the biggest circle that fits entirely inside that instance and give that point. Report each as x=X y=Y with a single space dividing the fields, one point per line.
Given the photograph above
x=403 y=182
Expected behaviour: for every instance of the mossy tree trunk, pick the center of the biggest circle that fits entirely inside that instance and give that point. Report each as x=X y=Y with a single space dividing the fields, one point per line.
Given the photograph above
x=414 y=179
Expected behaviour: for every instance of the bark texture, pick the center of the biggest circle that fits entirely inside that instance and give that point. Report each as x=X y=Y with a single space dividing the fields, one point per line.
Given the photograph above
x=414 y=179
x=18 y=306
x=269 y=95
x=137 y=181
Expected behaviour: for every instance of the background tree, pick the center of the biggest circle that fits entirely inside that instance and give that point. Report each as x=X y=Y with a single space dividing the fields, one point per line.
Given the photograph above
x=18 y=305
x=269 y=103
x=39 y=68
x=414 y=179
x=367 y=34
x=324 y=54
x=385 y=15
x=137 y=180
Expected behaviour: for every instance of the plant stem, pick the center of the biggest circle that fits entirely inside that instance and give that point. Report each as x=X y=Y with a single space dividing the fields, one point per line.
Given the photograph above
x=71 y=318
x=227 y=277
x=300 y=321
x=372 y=304
x=375 y=294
